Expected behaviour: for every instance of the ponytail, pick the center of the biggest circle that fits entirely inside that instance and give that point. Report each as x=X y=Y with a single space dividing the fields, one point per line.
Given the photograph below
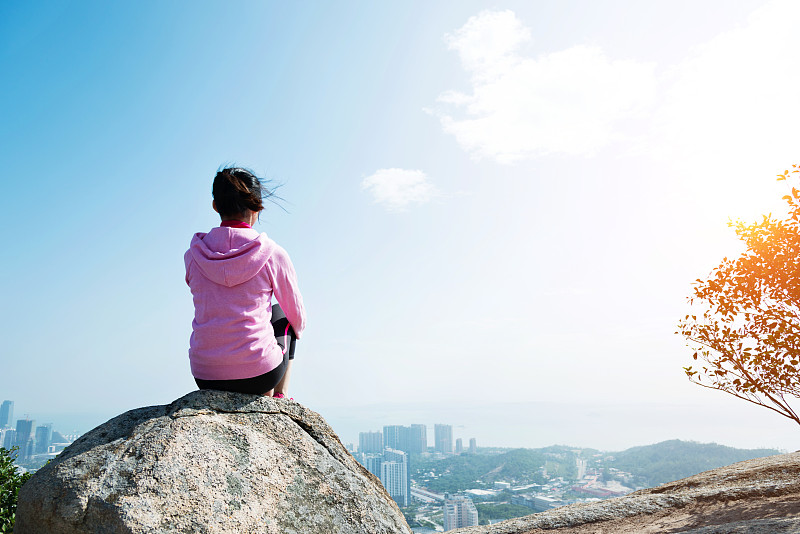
x=237 y=190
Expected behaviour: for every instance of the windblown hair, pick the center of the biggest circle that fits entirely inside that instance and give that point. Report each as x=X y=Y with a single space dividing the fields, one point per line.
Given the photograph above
x=236 y=190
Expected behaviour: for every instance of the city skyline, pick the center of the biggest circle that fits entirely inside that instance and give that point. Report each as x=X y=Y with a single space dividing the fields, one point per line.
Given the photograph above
x=412 y=439
x=35 y=442
x=518 y=426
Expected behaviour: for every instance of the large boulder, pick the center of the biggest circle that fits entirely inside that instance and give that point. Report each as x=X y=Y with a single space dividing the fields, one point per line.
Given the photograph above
x=210 y=462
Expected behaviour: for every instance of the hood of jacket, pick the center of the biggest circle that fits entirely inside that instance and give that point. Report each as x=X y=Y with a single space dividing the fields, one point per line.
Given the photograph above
x=230 y=256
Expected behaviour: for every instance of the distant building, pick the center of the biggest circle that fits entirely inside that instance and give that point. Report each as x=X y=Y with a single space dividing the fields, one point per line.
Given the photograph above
x=23 y=438
x=459 y=511
x=9 y=439
x=6 y=414
x=44 y=437
x=542 y=504
x=523 y=500
x=473 y=445
x=418 y=439
x=413 y=439
x=394 y=475
x=393 y=436
x=443 y=439
x=373 y=463
x=370 y=442
x=459 y=446
x=536 y=503
x=580 y=463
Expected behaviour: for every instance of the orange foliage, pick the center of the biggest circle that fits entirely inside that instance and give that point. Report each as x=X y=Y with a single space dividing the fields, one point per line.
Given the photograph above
x=745 y=329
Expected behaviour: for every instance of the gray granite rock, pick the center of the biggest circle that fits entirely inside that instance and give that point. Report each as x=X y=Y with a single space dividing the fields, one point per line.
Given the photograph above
x=210 y=462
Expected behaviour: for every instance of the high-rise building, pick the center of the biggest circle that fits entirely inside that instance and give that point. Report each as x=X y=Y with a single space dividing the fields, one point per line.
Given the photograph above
x=393 y=436
x=44 y=436
x=459 y=446
x=9 y=438
x=6 y=414
x=459 y=511
x=413 y=439
x=23 y=438
x=473 y=445
x=394 y=475
x=370 y=442
x=418 y=439
x=373 y=463
x=443 y=439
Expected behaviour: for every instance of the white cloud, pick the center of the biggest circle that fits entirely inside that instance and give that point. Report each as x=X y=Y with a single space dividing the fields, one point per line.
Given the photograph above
x=396 y=189
x=740 y=87
x=731 y=108
x=487 y=43
x=566 y=102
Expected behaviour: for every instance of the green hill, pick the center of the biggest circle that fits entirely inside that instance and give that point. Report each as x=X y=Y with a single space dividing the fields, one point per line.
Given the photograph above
x=467 y=471
x=650 y=465
x=676 y=459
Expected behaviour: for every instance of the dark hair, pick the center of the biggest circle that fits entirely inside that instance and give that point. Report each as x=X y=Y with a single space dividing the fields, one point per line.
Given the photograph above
x=236 y=190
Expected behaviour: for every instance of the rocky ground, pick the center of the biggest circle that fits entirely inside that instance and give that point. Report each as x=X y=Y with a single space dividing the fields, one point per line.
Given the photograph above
x=760 y=496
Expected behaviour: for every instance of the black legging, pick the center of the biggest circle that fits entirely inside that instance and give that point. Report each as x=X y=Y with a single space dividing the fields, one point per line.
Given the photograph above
x=258 y=385
x=284 y=333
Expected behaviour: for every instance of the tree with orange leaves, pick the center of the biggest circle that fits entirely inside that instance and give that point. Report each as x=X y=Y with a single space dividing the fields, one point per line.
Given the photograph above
x=745 y=329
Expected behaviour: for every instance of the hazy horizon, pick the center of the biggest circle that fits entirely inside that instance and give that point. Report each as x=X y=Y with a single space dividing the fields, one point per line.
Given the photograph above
x=601 y=426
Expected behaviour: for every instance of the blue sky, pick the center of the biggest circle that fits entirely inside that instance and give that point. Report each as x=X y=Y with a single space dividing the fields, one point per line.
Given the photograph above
x=486 y=202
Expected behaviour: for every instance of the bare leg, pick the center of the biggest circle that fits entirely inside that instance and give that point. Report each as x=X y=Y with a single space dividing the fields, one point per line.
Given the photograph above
x=268 y=393
x=283 y=385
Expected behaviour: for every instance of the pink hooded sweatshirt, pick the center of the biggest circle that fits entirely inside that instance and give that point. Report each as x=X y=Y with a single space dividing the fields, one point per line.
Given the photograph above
x=233 y=273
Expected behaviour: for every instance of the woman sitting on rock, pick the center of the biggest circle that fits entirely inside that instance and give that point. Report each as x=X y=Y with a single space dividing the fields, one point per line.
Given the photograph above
x=233 y=272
